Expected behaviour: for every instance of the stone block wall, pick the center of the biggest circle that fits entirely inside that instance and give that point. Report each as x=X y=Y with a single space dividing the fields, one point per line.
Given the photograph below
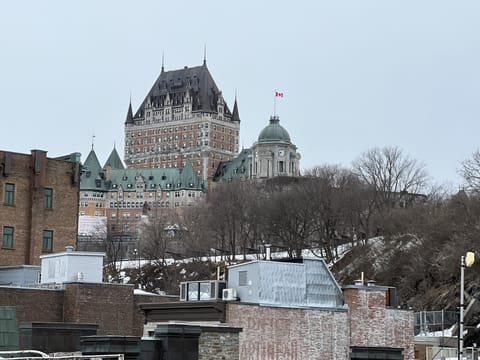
x=213 y=345
x=290 y=333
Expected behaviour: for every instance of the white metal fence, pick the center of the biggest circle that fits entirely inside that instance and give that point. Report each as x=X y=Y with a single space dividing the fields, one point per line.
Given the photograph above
x=36 y=355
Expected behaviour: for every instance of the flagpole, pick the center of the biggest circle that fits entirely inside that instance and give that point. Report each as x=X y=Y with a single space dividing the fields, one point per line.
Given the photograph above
x=275 y=104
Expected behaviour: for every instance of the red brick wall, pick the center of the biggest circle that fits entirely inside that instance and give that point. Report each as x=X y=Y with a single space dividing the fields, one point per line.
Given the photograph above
x=28 y=215
x=113 y=307
x=34 y=304
x=289 y=333
x=108 y=305
x=373 y=324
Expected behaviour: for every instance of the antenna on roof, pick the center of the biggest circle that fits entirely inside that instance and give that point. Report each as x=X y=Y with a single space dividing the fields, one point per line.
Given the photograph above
x=205 y=55
x=163 y=61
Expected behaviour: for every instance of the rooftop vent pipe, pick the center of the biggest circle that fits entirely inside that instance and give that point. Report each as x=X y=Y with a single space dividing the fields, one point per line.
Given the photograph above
x=267 y=252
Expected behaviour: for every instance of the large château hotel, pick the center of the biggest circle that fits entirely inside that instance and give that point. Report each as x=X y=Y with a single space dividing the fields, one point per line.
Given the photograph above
x=183 y=119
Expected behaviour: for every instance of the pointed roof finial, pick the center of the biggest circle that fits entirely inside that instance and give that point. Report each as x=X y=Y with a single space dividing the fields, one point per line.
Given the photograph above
x=114 y=144
x=93 y=138
x=235 y=114
x=129 y=118
x=205 y=54
x=163 y=61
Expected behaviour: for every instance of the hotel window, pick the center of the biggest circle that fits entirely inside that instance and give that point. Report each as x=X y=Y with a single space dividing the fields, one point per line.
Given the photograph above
x=48 y=198
x=9 y=194
x=47 y=244
x=7 y=241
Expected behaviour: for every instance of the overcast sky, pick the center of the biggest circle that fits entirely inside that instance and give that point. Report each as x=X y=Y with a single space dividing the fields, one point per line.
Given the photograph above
x=355 y=74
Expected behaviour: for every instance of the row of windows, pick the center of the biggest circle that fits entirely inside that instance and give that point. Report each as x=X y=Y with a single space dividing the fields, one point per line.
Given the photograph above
x=9 y=243
x=9 y=196
x=174 y=139
x=176 y=129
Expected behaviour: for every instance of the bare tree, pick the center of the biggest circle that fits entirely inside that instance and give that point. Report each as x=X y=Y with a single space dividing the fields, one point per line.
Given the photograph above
x=160 y=237
x=197 y=237
x=288 y=221
x=470 y=171
x=390 y=173
x=335 y=206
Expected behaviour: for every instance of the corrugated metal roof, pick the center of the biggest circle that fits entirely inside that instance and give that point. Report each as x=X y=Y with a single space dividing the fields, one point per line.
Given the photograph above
x=306 y=284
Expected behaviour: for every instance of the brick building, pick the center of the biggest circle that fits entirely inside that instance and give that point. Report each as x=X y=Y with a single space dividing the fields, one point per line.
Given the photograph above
x=184 y=118
x=122 y=199
x=38 y=211
x=296 y=311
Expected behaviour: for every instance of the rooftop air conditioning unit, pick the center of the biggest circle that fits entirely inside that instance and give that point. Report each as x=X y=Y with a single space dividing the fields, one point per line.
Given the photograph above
x=229 y=294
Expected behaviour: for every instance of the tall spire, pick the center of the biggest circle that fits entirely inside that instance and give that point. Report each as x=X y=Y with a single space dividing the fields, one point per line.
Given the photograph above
x=163 y=61
x=205 y=55
x=235 y=115
x=129 y=119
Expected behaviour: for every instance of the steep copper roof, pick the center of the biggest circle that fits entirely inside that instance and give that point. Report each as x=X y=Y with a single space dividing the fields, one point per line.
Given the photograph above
x=274 y=132
x=114 y=161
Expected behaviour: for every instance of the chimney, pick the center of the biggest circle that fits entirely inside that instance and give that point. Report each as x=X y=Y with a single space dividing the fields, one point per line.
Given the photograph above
x=267 y=252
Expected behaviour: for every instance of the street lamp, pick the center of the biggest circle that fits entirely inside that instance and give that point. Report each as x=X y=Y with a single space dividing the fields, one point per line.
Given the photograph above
x=467 y=260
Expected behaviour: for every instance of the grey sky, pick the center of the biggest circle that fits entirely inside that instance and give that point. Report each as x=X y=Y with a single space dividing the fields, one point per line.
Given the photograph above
x=355 y=74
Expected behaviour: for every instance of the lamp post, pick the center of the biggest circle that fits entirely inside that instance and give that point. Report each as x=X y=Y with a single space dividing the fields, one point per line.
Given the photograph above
x=467 y=260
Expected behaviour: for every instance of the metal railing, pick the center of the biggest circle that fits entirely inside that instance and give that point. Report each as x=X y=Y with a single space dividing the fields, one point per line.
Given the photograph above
x=438 y=353
x=35 y=354
x=434 y=322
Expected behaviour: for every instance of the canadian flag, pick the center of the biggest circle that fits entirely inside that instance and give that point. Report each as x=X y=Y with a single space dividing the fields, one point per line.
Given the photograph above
x=278 y=94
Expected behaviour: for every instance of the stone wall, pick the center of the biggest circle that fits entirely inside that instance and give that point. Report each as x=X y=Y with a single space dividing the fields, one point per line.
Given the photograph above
x=218 y=345
x=372 y=324
x=290 y=333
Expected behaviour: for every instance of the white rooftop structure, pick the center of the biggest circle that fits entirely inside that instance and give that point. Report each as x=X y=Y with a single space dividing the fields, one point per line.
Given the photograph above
x=72 y=266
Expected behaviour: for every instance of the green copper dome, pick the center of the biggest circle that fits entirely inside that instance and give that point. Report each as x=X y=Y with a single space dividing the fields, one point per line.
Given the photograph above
x=274 y=132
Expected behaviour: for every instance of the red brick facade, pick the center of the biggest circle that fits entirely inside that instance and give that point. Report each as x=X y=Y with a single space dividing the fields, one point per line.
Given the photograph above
x=112 y=306
x=289 y=333
x=372 y=324
x=308 y=333
x=30 y=176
